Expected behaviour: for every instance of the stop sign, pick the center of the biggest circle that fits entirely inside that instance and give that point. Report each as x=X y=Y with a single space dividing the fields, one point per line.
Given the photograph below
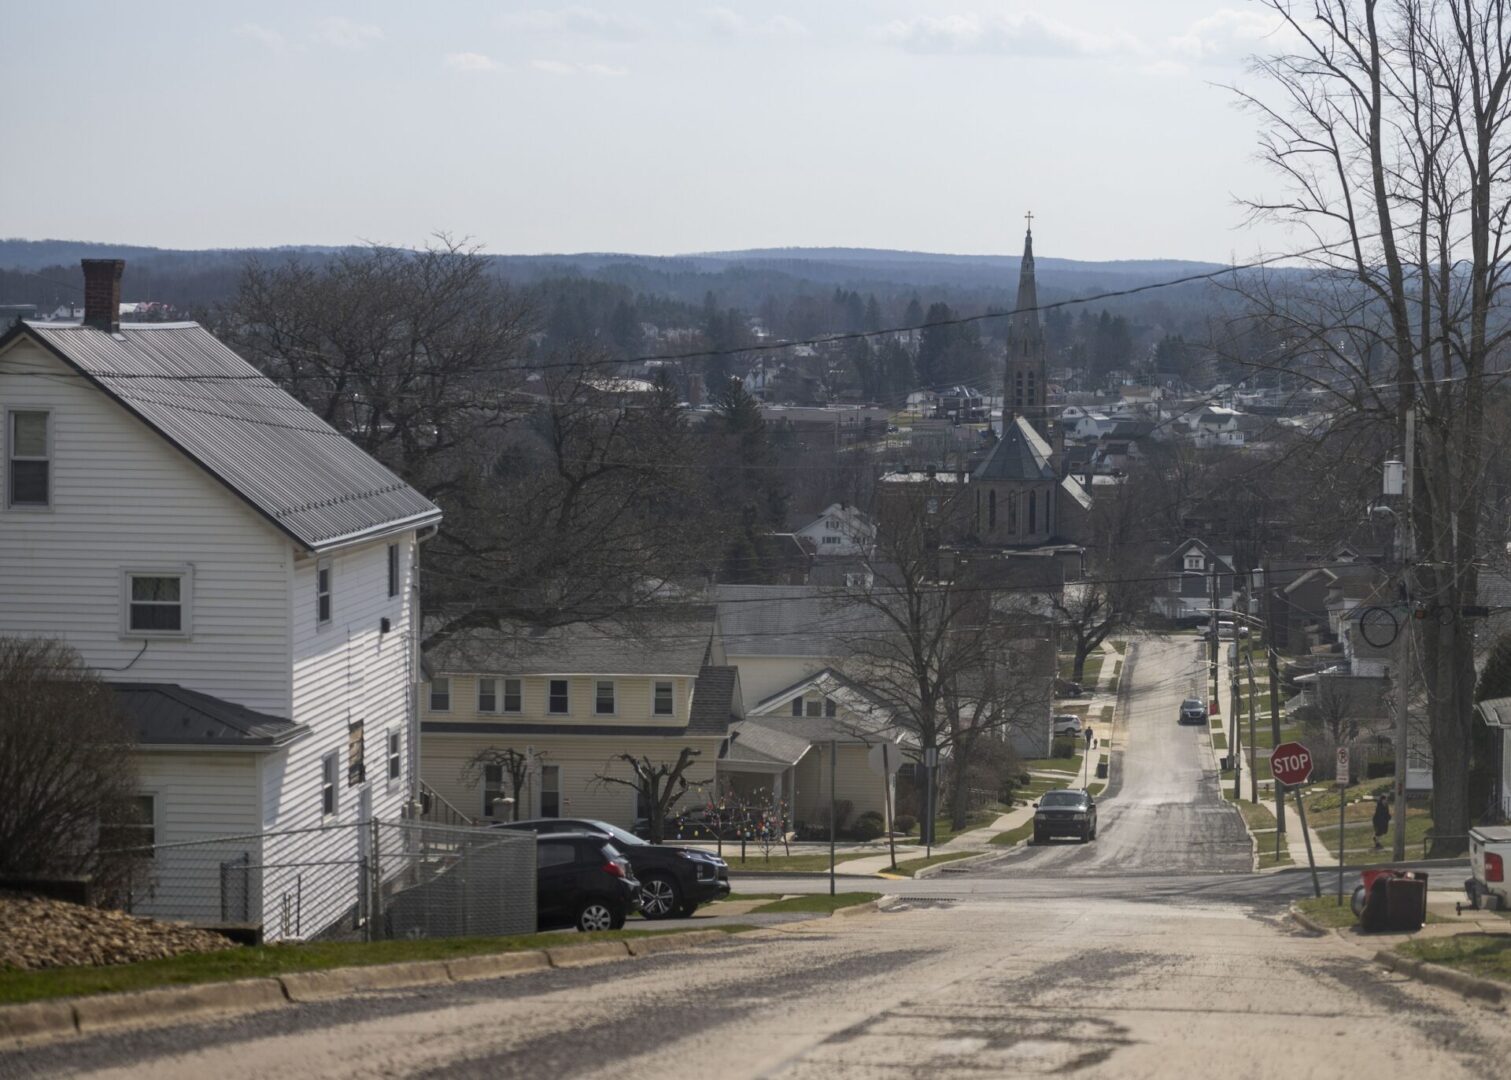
x=1291 y=763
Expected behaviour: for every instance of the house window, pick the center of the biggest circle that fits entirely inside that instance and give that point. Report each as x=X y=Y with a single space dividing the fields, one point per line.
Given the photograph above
x=356 y=754
x=813 y=707
x=323 y=592
x=440 y=695
x=797 y=706
x=393 y=569
x=603 y=698
x=550 y=791
x=136 y=829
x=559 y=702
x=829 y=707
x=665 y=705
x=831 y=539
x=395 y=755
x=1193 y=562
x=513 y=696
x=487 y=695
x=157 y=603
x=28 y=479
x=493 y=789
x=328 y=785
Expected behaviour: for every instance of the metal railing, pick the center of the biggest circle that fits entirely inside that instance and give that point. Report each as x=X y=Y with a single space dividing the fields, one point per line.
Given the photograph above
x=370 y=880
x=435 y=810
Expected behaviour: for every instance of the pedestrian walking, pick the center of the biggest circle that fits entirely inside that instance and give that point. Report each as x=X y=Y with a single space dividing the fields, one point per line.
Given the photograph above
x=1382 y=819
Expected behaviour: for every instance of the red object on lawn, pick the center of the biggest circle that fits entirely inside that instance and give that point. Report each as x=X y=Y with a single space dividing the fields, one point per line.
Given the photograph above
x=1291 y=764
x=1214 y=709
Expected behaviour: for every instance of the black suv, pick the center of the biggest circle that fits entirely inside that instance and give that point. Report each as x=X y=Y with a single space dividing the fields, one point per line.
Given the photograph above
x=582 y=880
x=1192 y=711
x=673 y=880
x=1065 y=812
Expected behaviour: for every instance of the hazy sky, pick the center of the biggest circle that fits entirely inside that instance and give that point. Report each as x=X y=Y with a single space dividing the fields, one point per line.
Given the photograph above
x=652 y=126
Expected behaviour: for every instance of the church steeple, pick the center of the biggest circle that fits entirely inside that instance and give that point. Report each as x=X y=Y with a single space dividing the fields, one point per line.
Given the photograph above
x=1025 y=389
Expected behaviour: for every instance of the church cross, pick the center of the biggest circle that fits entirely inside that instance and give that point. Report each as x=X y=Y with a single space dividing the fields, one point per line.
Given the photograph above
x=1029 y=217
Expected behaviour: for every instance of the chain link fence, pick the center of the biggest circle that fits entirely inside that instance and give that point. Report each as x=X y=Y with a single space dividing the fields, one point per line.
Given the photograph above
x=370 y=880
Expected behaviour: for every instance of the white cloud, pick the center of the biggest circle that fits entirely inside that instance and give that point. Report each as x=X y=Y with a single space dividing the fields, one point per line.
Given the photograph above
x=1229 y=35
x=571 y=20
x=469 y=61
x=561 y=67
x=1001 y=34
x=345 y=34
x=725 y=21
x=268 y=38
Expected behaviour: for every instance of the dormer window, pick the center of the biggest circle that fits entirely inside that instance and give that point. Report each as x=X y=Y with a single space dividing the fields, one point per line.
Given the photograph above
x=1194 y=562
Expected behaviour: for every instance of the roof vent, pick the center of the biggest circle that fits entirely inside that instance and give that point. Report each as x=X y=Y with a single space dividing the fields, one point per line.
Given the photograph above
x=102 y=293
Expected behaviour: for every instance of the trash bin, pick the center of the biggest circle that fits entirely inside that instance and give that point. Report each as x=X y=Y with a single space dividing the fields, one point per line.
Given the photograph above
x=1395 y=901
x=1101 y=770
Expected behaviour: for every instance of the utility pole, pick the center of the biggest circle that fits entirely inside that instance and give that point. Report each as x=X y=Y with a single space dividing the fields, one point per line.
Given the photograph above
x=1236 y=746
x=833 y=757
x=1213 y=626
x=1402 y=658
x=1253 y=696
x=1269 y=648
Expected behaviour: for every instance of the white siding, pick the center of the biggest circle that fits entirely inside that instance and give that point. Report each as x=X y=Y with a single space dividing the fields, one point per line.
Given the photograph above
x=123 y=497
x=762 y=676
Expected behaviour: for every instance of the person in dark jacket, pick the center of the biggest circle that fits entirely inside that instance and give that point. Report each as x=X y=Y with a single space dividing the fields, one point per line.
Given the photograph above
x=1382 y=819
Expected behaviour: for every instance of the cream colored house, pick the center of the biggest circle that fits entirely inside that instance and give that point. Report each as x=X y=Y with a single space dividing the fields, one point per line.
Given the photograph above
x=782 y=750
x=574 y=699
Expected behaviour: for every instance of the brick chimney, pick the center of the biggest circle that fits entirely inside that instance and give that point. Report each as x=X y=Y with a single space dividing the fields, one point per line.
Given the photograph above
x=102 y=293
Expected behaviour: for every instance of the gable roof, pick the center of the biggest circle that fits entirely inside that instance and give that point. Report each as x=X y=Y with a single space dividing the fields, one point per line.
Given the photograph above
x=303 y=476
x=169 y=714
x=789 y=620
x=716 y=701
x=1021 y=454
x=675 y=641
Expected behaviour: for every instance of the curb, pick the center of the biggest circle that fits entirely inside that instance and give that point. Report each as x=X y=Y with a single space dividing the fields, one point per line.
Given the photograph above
x=824 y=874
x=1306 y=920
x=35 y=1022
x=938 y=868
x=1470 y=986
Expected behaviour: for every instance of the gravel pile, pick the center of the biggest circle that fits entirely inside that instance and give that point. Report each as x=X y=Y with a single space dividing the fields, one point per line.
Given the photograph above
x=38 y=933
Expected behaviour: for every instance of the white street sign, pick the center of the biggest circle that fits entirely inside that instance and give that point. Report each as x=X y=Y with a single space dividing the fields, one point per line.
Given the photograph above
x=885 y=758
x=1343 y=766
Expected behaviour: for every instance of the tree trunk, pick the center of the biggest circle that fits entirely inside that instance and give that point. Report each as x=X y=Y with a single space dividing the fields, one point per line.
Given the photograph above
x=1082 y=652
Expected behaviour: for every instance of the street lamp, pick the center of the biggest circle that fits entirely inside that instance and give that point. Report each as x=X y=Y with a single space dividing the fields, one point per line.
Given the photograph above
x=1401 y=661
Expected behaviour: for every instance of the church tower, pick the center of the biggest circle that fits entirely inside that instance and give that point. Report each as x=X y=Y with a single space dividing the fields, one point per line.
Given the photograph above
x=1024 y=393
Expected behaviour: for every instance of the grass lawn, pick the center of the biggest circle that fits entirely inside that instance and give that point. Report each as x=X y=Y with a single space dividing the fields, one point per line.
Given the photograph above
x=976 y=819
x=1260 y=822
x=1117 y=677
x=1012 y=836
x=818 y=904
x=912 y=866
x=1326 y=911
x=266 y=960
x=799 y=863
x=1120 y=646
x=1089 y=675
x=1219 y=741
x=1485 y=955
x=1070 y=764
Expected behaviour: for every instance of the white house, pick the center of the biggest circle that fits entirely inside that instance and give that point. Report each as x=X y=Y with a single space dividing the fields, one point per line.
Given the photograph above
x=242 y=574
x=841 y=529
x=1215 y=425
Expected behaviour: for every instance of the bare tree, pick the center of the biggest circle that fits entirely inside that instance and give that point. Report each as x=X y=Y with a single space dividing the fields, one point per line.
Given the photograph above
x=1388 y=125
x=65 y=762
x=514 y=765
x=942 y=653
x=659 y=784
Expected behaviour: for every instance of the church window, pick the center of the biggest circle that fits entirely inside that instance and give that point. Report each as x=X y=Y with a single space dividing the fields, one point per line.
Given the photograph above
x=1012 y=513
x=991 y=509
x=1033 y=512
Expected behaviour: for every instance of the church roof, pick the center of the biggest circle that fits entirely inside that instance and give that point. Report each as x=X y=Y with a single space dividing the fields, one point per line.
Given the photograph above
x=1073 y=488
x=1021 y=454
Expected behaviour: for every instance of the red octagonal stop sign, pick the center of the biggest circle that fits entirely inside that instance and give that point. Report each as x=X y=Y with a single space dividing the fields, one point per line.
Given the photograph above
x=1291 y=763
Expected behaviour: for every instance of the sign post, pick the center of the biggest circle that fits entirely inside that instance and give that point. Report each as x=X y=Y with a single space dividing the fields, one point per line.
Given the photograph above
x=885 y=760
x=930 y=759
x=1291 y=764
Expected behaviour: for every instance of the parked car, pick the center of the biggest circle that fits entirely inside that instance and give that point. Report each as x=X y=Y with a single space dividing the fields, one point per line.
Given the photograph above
x=1192 y=711
x=1489 y=854
x=1068 y=688
x=673 y=880
x=582 y=880
x=1065 y=812
x=1067 y=724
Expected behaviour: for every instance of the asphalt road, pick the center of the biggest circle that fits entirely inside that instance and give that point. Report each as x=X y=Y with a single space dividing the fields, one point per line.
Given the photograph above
x=1162 y=812
x=1148 y=953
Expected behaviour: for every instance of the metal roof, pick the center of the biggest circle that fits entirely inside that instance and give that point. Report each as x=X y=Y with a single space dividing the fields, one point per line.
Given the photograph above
x=298 y=472
x=169 y=714
x=791 y=620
